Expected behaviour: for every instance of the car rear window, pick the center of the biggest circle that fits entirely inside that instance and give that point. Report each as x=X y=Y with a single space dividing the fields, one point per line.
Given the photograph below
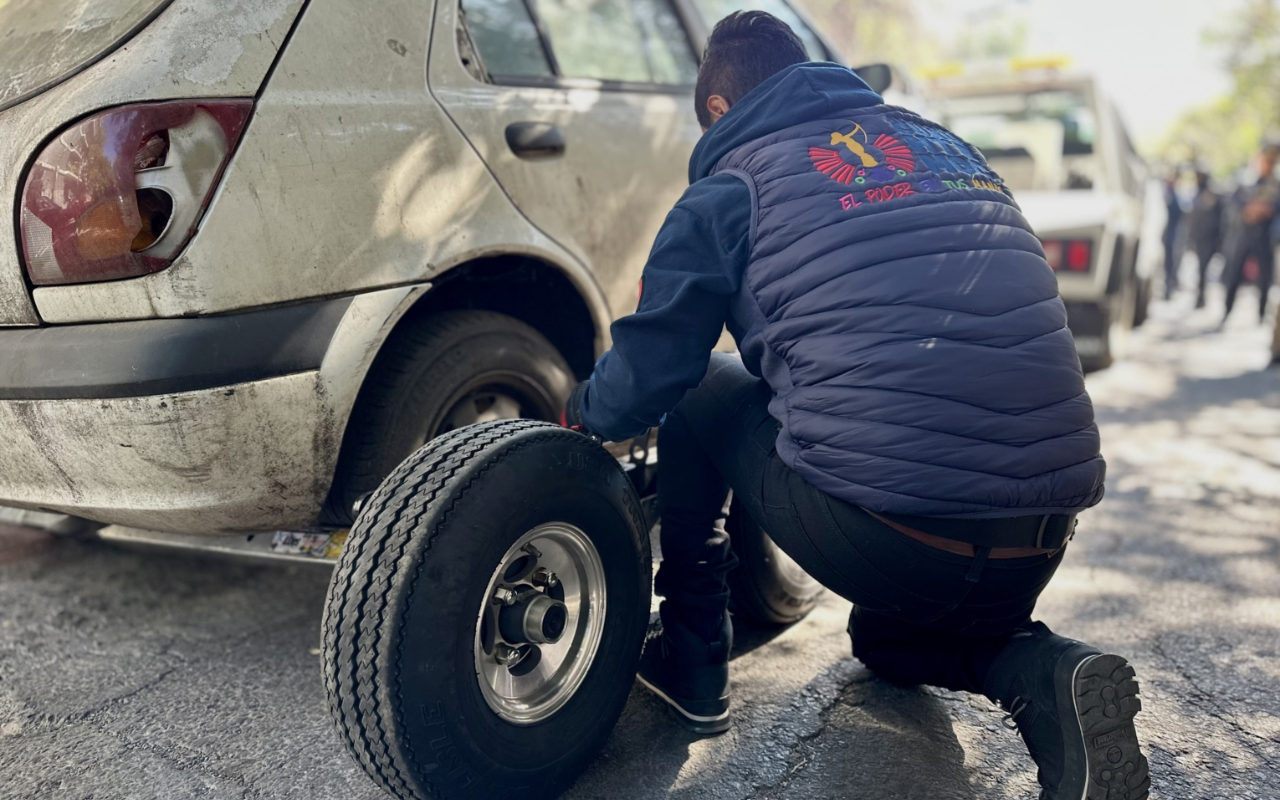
x=44 y=41
x=506 y=37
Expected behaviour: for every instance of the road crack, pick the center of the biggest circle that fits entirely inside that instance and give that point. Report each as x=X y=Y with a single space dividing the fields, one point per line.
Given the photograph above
x=800 y=755
x=1204 y=699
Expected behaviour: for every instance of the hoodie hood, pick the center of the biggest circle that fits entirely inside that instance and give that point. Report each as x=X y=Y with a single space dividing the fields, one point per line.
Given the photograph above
x=798 y=94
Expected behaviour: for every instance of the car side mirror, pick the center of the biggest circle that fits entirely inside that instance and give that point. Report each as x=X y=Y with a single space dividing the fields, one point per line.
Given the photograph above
x=878 y=76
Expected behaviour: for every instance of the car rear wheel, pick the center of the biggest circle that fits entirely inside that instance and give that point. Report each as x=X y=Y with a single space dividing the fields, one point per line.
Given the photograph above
x=447 y=371
x=767 y=587
x=1141 y=301
x=483 y=627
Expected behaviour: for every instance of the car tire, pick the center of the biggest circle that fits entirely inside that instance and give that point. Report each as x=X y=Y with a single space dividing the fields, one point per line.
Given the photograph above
x=433 y=375
x=1141 y=302
x=408 y=638
x=767 y=587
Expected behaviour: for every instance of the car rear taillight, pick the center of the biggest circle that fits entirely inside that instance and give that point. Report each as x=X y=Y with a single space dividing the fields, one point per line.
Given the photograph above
x=117 y=195
x=1072 y=255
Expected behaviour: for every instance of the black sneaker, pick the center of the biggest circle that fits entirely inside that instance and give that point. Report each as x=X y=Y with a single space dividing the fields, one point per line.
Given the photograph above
x=1074 y=707
x=690 y=676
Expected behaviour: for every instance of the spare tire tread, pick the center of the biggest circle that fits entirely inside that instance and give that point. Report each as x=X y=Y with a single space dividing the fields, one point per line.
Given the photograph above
x=367 y=570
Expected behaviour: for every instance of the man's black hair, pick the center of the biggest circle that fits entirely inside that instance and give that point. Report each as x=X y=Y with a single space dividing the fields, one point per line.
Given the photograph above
x=744 y=50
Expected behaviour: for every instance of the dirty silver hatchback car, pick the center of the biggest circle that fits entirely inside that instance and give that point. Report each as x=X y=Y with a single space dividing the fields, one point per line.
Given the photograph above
x=264 y=249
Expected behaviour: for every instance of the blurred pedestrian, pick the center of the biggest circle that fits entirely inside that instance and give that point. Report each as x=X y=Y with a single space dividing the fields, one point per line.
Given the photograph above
x=1275 y=344
x=1252 y=235
x=907 y=420
x=1205 y=228
x=1173 y=222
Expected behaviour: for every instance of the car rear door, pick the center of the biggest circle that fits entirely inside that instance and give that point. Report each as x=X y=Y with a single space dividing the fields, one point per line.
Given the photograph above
x=583 y=110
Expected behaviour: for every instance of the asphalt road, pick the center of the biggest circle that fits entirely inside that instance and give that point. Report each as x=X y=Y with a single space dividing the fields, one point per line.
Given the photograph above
x=142 y=675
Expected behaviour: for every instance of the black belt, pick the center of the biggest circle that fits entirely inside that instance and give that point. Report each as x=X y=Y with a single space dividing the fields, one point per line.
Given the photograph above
x=1045 y=532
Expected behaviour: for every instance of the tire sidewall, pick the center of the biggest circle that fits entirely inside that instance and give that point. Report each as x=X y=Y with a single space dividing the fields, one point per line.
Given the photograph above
x=438 y=383
x=457 y=741
x=759 y=590
x=419 y=374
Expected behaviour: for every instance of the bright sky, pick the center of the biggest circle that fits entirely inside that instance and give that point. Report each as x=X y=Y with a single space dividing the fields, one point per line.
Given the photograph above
x=1148 y=54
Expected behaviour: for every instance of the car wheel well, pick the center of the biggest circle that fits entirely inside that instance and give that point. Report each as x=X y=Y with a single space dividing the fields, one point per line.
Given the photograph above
x=526 y=289
x=532 y=291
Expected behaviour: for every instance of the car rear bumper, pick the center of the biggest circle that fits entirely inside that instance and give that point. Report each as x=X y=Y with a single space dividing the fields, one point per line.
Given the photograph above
x=160 y=356
x=1090 y=324
x=223 y=459
x=202 y=425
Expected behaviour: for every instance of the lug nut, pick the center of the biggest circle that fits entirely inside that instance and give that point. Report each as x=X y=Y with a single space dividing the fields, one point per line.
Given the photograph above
x=545 y=577
x=509 y=656
x=531 y=550
x=504 y=596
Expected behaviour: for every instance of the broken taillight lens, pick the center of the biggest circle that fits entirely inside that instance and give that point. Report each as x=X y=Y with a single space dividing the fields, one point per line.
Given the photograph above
x=118 y=195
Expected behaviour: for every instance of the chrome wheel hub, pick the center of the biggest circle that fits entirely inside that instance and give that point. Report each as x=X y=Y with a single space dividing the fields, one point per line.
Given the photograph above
x=483 y=406
x=540 y=623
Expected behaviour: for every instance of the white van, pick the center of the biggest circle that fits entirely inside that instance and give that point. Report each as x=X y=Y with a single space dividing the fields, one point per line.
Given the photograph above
x=1064 y=151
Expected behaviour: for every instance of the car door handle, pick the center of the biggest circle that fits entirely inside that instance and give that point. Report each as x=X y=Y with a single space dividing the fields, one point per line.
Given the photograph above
x=535 y=140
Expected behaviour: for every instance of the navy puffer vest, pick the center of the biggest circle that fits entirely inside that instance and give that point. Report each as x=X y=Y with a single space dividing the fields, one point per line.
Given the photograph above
x=903 y=312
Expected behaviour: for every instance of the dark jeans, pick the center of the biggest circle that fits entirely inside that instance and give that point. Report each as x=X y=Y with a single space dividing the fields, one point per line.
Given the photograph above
x=1172 y=260
x=1258 y=245
x=1204 y=255
x=921 y=615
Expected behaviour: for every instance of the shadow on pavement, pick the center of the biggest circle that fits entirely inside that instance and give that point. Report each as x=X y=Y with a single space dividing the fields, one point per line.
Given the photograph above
x=748 y=636
x=875 y=740
x=183 y=676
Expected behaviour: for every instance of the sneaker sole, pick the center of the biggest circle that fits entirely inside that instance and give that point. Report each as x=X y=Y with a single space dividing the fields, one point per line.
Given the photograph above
x=1106 y=762
x=701 y=725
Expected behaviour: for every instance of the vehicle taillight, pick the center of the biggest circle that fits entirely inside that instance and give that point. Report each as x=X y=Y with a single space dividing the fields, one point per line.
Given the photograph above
x=1073 y=255
x=118 y=195
x=1079 y=255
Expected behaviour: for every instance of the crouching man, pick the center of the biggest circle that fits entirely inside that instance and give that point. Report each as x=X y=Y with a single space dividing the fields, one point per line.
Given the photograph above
x=908 y=419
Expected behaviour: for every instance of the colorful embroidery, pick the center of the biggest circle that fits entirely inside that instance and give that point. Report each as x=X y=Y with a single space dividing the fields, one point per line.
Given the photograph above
x=854 y=147
x=849 y=202
x=980 y=182
x=896 y=154
x=882 y=193
x=830 y=162
x=936 y=150
x=884 y=159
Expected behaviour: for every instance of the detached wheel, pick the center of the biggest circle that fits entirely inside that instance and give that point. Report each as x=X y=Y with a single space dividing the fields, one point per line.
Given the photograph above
x=438 y=374
x=484 y=624
x=767 y=587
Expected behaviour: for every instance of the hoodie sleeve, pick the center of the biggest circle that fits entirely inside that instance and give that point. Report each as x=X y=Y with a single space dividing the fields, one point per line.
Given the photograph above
x=662 y=350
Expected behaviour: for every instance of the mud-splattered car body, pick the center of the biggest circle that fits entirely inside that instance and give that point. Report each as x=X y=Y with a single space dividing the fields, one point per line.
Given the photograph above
x=212 y=396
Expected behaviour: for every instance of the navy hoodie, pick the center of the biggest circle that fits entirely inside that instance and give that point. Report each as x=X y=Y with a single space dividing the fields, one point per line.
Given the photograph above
x=878 y=275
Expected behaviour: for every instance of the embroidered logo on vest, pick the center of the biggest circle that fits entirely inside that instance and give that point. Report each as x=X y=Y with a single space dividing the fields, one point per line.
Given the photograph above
x=858 y=159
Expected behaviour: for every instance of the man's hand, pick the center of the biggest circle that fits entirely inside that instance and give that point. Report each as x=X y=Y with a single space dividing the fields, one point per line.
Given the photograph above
x=571 y=414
